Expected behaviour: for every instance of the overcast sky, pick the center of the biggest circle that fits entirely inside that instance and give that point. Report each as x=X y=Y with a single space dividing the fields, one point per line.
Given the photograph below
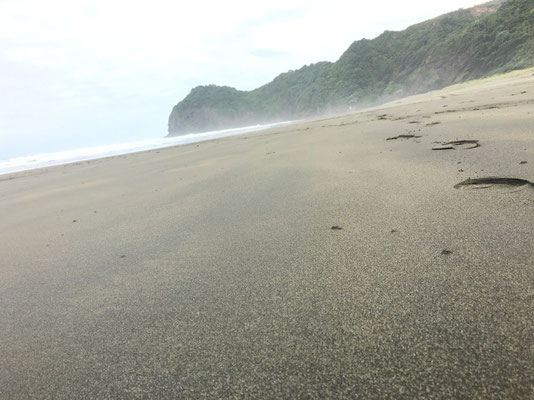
x=76 y=73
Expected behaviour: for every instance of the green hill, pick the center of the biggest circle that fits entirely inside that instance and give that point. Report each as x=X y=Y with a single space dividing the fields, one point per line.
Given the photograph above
x=494 y=37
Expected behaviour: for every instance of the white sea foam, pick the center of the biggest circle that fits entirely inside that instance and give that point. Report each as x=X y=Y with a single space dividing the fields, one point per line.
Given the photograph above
x=90 y=153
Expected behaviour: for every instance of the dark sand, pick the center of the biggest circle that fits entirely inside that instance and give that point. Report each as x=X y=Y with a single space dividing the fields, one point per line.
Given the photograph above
x=215 y=270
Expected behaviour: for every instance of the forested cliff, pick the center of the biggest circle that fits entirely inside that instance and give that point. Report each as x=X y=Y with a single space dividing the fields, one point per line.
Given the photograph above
x=494 y=37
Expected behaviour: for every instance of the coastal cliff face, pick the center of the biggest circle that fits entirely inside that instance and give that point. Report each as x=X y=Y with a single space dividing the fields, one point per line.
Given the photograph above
x=494 y=37
x=209 y=108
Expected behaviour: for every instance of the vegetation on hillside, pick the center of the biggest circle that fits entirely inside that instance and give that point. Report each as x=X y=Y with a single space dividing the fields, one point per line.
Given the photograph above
x=466 y=44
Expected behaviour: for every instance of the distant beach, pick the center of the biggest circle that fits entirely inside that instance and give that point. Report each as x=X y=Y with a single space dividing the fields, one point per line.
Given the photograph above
x=90 y=153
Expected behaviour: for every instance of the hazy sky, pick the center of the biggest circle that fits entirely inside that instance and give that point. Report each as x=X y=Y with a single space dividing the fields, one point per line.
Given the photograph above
x=78 y=73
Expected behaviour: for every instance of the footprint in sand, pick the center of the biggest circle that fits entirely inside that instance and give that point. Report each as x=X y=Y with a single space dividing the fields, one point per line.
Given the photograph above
x=493 y=182
x=403 y=137
x=458 y=145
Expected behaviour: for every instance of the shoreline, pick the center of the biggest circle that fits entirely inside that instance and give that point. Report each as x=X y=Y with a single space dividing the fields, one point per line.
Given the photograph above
x=120 y=148
x=521 y=74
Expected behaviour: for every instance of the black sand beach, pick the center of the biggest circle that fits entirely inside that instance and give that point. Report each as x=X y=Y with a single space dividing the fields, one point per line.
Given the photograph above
x=212 y=270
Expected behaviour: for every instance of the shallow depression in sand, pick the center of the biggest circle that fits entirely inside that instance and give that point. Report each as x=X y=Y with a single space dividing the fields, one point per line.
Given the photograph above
x=493 y=182
x=459 y=145
x=403 y=137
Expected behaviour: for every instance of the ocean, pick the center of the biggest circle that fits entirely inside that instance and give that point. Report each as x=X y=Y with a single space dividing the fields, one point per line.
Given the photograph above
x=89 y=153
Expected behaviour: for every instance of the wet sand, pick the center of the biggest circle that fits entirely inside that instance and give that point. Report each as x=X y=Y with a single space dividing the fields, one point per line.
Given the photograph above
x=308 y=261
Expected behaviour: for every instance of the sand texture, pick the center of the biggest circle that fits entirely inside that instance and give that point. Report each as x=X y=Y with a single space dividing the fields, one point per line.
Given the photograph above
x=383 y=254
